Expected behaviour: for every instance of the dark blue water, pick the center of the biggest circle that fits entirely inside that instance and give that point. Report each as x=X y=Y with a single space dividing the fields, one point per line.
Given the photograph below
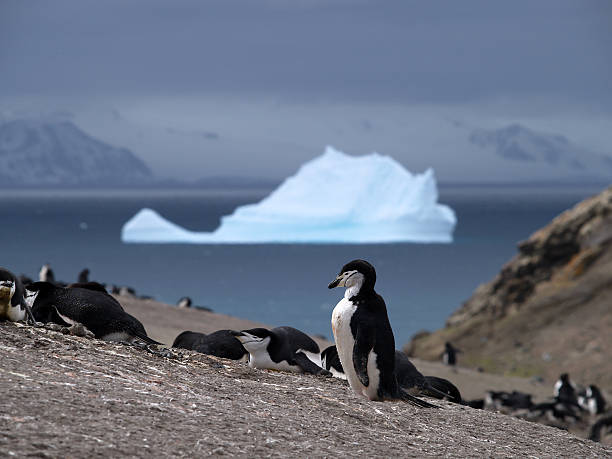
x=275 y=284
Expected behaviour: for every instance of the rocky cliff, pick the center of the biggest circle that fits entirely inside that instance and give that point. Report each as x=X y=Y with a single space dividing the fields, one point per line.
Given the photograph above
x=548 y=311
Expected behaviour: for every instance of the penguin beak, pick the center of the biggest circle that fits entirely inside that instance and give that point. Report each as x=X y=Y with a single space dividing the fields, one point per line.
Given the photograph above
x=335 y=282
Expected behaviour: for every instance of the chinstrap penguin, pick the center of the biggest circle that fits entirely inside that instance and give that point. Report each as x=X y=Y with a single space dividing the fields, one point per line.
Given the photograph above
x=565 y=390
x=97 y=311
x=591 y=400
x=221 y=343
x=282 y=348
x=331 y=362
x=449 y=356
x=364 y=338
x=13 y=306
x=184 y=302
x=83 y=276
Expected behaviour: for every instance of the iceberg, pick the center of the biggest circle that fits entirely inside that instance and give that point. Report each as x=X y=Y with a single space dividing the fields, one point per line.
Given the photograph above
x=333 y=198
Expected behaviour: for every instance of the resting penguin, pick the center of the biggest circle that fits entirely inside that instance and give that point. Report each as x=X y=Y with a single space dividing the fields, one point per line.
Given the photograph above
x=97 y=311
x=221 y=343
x=282 y=348
x=408 y=377
x=12 y=301
x=364 y=338
x=591 y=400
x=331 y=362
x=411 y=379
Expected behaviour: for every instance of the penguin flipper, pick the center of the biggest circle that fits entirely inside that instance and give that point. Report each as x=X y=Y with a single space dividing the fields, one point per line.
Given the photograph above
x=146 y=339
x=361 y=352
x=308 y=366
x=442 y=388
x=406 y=397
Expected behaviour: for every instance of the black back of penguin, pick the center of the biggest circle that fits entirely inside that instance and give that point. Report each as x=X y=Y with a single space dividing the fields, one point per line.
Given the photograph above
x=221 y=343
x=97 y=311
x=292 y=339
x=370 y=323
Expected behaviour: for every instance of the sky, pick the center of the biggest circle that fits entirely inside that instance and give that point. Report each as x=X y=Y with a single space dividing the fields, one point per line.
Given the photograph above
x=243 y=88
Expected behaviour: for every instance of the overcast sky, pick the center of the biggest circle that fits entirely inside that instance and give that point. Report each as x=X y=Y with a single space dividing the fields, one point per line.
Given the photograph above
x=245 y=87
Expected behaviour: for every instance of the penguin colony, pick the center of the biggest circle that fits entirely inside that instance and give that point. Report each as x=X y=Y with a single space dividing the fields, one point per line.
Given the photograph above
x=364 y=353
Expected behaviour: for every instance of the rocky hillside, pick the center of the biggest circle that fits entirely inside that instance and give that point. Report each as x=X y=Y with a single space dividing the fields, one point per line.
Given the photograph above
x=41 y=153
x=64 y=396
x=548 y=311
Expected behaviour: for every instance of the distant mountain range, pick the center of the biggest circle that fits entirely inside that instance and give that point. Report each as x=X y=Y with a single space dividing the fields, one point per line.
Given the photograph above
x=37 y=153
x=518 y=144
x=47 y=153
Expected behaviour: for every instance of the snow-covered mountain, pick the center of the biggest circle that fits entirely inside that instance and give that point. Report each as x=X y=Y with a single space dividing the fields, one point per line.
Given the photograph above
x=41 y=153
x=521 y=147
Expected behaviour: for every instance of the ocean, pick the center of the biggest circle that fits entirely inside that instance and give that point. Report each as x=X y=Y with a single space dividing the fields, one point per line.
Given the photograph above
x=276 y=284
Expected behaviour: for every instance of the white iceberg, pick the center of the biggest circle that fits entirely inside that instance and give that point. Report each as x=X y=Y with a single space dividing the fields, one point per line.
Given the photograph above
x=334 y=198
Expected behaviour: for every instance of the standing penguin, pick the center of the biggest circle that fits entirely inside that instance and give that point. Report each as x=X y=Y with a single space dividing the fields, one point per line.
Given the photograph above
x=364 y=338
x=12 y=301
x=97 y=311
x=449 y=356
x=565 y=390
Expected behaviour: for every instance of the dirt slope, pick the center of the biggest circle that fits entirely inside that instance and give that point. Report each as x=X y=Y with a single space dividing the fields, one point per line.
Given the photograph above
x=64 y=396
x=548 y=311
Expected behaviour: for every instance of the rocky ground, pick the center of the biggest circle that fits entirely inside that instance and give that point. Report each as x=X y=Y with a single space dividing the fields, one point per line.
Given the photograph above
x=548 y=311
x=66 y=396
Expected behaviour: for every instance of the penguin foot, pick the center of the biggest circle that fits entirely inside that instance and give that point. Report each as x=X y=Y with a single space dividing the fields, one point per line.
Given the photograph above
x=161 y=351
x=325 y=373
x=53 y=326
x=78 y=330
x=154 y=349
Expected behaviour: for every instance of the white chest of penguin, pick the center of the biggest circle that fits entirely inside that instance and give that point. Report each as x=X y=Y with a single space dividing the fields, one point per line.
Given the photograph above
x=345 y=342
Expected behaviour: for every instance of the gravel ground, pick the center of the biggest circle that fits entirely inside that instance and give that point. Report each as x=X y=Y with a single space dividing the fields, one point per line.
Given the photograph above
x=65 y=396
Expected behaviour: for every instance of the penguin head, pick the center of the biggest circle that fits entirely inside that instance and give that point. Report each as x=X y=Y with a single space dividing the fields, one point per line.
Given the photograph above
x=356 y=273
x=254 y=340
x=184 y=302
x=36 y=289
x=330 y=359
x=7 y=290
x=564 y=378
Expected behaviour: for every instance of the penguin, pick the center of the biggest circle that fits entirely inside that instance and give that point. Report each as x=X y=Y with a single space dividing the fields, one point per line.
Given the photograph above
x=184 y=302
x=565 y=390
x=449 y=356
x=408 y=377
x=411 y=379
x=282 y=348
x=83 y=276
x=331 y=362
x=97 y=311
x=221 y=343
x=13 y=306
x=592 y=400
x=602 y=426
x=364 y=338
x=46 y=274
